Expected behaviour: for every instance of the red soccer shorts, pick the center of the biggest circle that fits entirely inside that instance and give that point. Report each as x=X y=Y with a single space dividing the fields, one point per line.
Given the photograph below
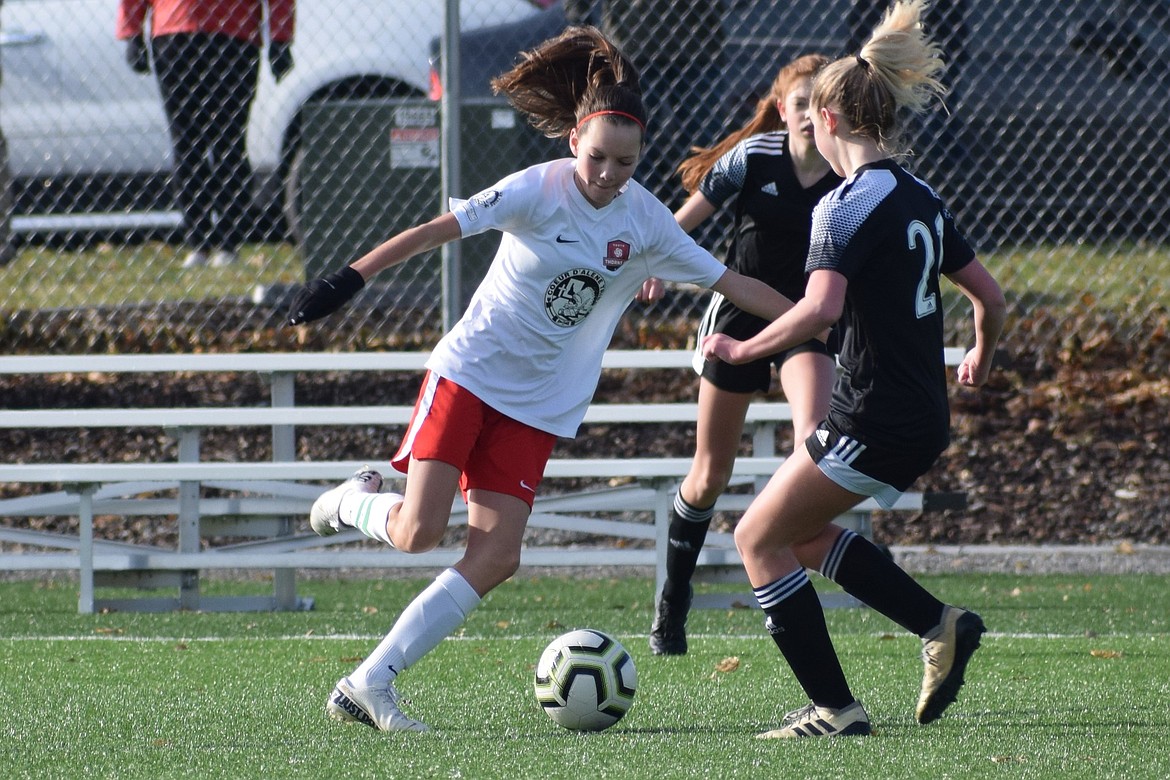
x=491 y=450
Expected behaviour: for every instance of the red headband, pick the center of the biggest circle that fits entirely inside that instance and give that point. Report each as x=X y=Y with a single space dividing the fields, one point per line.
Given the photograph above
x=630 y=117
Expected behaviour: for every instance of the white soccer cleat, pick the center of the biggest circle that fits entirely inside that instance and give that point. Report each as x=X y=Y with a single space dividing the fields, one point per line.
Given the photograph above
x=374 y=707
x=325 y=516
x=814 y=721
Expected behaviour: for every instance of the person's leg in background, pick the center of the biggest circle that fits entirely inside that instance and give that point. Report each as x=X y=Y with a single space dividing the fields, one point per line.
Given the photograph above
x=232 y=93
x=717 y=439
x=183 y=64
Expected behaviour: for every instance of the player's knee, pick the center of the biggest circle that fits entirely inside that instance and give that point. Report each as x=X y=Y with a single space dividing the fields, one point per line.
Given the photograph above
x=707 y=484
x=492 y=570
x=416 y=536
x=505 y=565
x=746 y=540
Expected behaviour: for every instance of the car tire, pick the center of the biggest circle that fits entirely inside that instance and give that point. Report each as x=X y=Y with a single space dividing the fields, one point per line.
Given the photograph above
x=292 y=203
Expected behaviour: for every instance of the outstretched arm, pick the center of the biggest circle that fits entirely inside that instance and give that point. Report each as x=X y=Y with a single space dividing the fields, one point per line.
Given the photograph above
x=321 y=297
x=689 y=216
x=989 y=310
x=407 y=244
x=751 y=295
x=808 y=318
x=694 y=212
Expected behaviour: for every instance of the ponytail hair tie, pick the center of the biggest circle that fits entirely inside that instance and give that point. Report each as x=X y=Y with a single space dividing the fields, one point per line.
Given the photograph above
x=862 y=61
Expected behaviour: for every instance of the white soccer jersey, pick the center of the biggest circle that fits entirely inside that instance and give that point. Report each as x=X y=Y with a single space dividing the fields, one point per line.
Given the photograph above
x=531 y=341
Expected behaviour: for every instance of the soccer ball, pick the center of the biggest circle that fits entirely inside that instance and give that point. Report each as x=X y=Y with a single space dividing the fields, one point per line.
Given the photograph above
x=585 y=680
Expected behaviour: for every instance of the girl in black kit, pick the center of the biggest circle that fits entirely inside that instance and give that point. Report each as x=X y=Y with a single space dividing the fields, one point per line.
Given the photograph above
x=879 y=244
x=771 y=170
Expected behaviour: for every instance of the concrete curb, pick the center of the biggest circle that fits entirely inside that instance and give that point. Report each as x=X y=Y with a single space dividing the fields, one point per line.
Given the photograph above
x=1114 y=558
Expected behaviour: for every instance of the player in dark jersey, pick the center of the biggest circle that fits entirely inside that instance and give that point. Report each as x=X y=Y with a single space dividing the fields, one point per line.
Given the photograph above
x=773 y=172
x=879 y=244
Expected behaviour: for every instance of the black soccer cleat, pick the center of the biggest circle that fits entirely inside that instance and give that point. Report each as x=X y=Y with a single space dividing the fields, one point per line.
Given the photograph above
x=668 y=634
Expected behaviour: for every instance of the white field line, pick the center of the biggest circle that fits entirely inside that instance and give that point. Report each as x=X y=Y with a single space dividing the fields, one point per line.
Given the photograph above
x=518 y=638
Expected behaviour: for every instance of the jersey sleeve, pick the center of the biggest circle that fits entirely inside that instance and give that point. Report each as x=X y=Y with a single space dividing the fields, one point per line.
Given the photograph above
x=834 y=246
x=682 y=260
x=840 y=221
x=504 y=205
x=725 y=179
x=957 y=251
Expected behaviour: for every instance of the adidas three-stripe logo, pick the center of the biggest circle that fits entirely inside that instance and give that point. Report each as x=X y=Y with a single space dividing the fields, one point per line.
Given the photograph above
x=819 y=728
x=847 y=450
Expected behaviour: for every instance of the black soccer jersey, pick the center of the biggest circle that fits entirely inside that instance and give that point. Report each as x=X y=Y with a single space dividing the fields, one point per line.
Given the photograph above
x=772 y=210
x=889 y=234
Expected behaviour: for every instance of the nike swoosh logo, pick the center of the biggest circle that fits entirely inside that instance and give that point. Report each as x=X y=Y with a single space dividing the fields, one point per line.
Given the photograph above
x=563 y=240
x=524 y=485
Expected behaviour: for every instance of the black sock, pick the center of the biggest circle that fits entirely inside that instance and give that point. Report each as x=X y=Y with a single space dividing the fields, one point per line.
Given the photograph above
x=688 y=531
x=796 y=621
x=870 y=576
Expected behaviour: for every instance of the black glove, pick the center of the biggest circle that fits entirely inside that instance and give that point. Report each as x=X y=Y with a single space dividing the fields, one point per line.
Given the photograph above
x=137 y=56
x=280 y=58
x=321 y=297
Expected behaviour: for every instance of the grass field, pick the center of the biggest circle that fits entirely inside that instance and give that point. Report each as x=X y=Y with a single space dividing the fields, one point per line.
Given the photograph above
x=112 y=274
x=1071 y=682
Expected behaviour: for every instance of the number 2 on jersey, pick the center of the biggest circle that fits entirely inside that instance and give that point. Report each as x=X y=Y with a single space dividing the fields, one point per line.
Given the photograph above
x=926 y=302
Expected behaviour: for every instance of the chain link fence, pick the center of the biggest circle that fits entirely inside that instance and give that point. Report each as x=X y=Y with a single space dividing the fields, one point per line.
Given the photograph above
x=1052 y=155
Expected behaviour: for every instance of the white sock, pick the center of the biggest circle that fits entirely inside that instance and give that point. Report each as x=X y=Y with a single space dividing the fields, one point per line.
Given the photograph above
x=431 y=617
x=368 y=512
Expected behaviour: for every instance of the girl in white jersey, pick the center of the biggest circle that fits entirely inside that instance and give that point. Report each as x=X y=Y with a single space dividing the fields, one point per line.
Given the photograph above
x=579 y=239
x=879 y=244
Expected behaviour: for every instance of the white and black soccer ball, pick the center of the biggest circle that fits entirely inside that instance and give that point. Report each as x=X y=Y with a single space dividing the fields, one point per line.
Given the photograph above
x=585 y=680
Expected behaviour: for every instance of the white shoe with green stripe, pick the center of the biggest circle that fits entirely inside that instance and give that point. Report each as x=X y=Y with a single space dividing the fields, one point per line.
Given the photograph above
x=325 y=517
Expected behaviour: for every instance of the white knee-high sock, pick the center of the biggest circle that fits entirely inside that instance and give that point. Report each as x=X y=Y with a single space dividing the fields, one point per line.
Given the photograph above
x=367 y=512
x=425 y=622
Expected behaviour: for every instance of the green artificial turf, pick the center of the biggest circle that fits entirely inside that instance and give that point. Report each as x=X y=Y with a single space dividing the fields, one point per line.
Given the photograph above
x=1071 y=682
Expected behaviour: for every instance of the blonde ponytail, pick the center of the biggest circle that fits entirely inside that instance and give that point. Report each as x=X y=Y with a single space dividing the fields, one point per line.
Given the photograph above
x=896 y=69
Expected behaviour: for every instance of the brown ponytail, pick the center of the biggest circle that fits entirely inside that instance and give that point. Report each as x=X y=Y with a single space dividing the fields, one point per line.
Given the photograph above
x=575 y=75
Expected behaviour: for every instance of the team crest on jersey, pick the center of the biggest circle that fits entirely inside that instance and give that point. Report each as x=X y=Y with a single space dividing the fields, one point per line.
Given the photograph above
x=572 y=295
x=487 y=198
x=616 y=254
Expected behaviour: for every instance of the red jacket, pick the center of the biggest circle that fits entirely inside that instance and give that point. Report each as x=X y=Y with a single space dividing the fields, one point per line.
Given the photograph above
x=240 y=19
